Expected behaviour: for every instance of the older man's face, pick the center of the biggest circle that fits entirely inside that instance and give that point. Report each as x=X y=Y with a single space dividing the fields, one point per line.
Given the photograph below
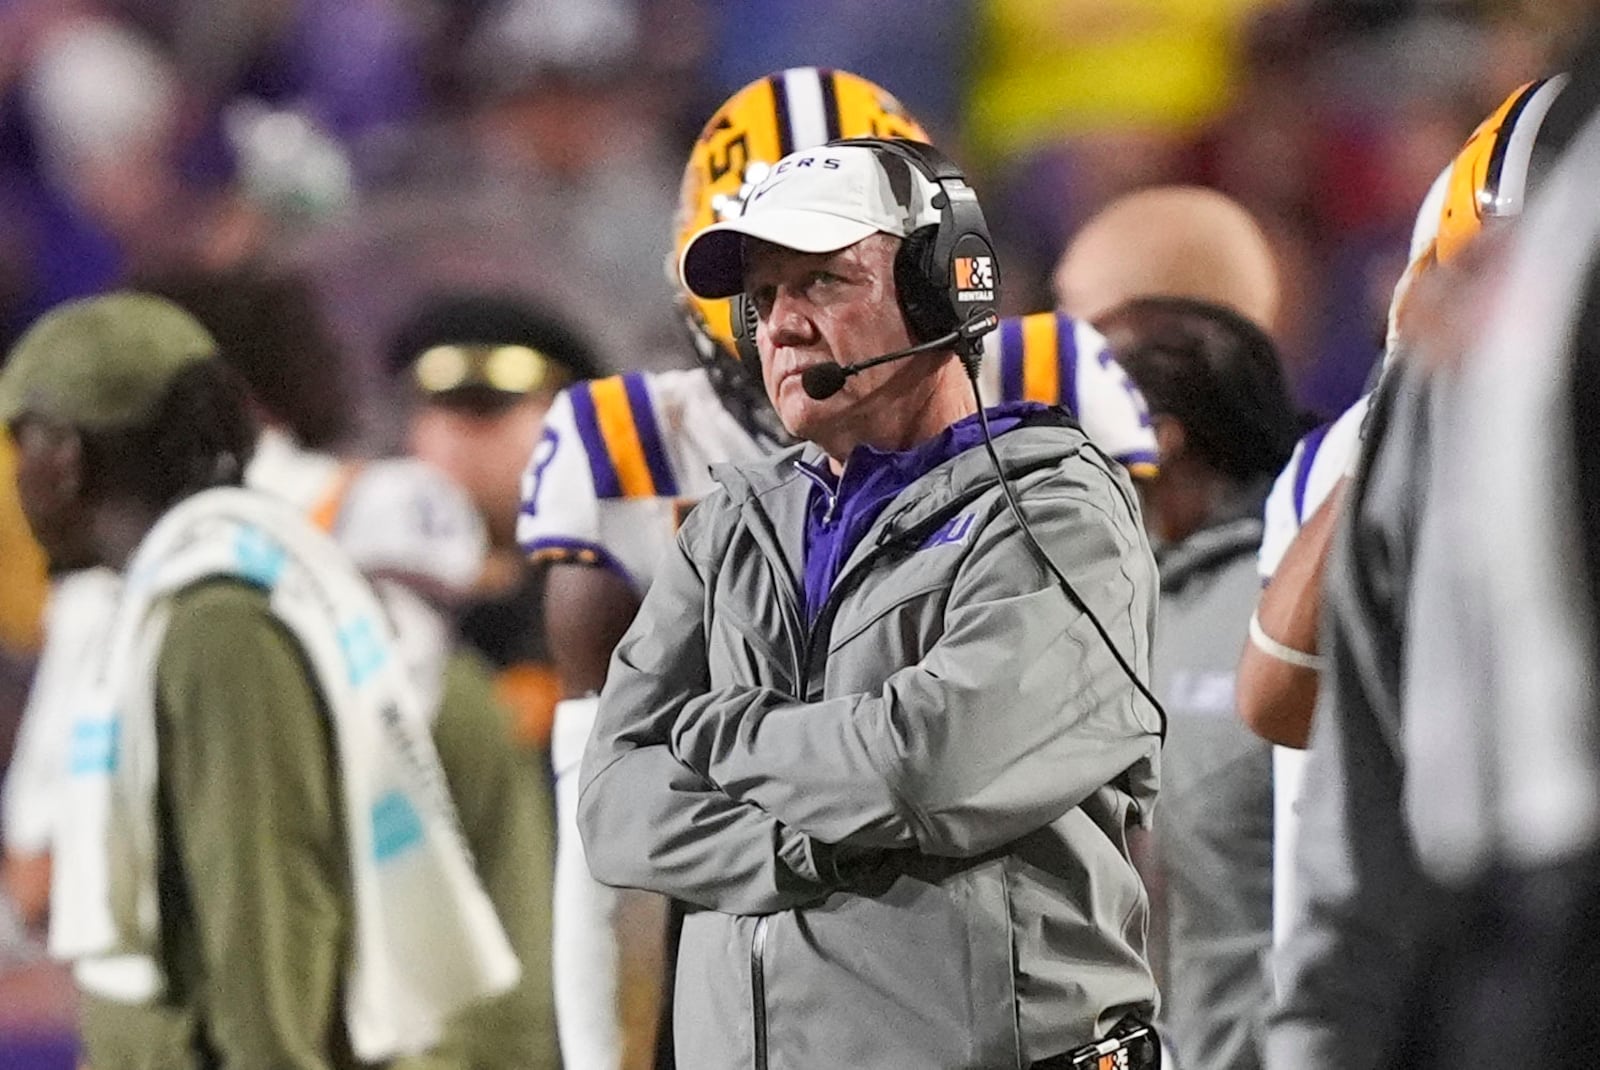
x=819 y=307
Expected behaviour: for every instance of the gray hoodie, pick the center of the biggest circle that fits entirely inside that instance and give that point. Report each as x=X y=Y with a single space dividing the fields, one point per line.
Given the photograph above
x=902 y=832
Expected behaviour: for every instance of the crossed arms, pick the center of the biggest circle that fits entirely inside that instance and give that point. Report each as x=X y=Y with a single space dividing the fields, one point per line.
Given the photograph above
x=746 y=800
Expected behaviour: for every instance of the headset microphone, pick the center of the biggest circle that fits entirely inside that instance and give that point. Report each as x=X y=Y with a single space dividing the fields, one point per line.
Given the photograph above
x=822 y=381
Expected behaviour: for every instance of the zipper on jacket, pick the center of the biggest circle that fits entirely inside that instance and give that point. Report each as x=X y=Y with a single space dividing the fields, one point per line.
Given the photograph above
x=886 y=541
x=823 y=621
x=797 y=623
x=783 y=583
x=758 y=990
x=821 y=483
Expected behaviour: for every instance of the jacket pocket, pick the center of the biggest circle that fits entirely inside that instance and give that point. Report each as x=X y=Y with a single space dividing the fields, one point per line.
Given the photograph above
x=913 y=618
x=992 y=991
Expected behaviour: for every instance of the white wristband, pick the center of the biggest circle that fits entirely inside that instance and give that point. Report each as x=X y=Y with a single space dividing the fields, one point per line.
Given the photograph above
x=1286 y=654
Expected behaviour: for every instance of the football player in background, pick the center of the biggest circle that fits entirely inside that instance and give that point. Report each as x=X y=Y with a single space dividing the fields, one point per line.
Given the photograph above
x=622 y=459
x=1487 y=181
x=24 y=592
x=481 y=369
x=1280 y=670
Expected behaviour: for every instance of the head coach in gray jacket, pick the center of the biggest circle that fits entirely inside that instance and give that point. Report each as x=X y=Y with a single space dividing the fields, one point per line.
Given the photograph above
x=857 y=727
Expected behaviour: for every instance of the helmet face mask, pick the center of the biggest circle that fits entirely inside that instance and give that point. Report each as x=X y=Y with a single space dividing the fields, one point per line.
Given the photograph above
x=795 y=109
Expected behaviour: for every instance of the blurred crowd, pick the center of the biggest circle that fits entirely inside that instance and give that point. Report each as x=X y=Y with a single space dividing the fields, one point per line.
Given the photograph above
x=385 y=146
x=368 y=162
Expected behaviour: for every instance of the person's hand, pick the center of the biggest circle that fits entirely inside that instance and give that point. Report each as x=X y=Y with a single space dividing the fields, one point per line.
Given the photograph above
x=865 y=871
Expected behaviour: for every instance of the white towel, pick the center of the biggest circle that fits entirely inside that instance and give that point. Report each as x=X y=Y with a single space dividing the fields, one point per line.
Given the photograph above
x=427 y=940
x=77 y=622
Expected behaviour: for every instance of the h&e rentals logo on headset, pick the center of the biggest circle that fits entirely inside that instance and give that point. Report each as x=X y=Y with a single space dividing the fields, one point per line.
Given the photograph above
x=975 y=278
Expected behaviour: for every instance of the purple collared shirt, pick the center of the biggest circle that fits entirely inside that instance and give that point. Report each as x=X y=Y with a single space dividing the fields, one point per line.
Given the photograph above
x=842 y=508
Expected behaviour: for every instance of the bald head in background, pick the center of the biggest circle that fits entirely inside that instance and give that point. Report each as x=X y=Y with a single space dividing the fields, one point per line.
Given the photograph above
x=1170 y=241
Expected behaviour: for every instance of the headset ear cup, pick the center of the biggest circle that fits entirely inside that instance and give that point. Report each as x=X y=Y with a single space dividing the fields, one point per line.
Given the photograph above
x=744 y=333
x=924 y=298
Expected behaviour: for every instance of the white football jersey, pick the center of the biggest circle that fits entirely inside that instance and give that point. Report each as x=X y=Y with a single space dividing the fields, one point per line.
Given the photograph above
x=619 y=463
x=77 y=624
x=1052 y=358
x=1319 y=460
x=622 y=459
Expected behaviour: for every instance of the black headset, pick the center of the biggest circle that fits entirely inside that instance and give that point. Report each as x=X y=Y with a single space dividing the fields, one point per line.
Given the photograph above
x=945 y=274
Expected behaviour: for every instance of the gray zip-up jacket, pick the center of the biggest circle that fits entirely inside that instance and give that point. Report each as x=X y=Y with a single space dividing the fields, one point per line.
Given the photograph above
x=902 y=831
x=1214 y=831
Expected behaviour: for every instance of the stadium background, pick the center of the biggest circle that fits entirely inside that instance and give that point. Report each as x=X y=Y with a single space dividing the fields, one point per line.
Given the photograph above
x=388 y=148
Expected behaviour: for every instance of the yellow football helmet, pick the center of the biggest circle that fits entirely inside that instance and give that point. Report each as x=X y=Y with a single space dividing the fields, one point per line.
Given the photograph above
x=796 y=109
x=1488 y=181
x=1489 y=178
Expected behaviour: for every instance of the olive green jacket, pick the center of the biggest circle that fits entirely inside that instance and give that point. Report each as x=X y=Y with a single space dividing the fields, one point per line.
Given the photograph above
x=254 y=880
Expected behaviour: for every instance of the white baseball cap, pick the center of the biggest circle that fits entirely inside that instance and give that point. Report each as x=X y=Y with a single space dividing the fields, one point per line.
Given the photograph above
x=817 y=201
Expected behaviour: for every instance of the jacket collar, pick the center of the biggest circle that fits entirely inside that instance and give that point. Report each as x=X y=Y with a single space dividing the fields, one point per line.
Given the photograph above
x=775 y=490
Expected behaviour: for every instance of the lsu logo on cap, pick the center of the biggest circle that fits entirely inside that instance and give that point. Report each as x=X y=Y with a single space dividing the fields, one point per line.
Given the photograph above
x=975 y=278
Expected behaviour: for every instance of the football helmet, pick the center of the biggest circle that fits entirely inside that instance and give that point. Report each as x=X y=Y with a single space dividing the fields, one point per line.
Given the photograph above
x=799 y=108
x=1487 y=182
x=1490 y=177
